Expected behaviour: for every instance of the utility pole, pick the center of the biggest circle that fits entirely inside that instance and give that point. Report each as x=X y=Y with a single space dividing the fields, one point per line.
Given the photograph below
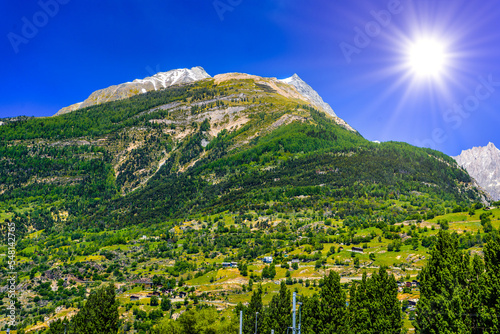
x=294 y=313
x=241 y=322
x=256 y=316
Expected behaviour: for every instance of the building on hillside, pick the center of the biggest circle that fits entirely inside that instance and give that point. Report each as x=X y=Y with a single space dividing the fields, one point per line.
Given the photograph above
x=134 y=298
x=267 y=259
x=357 y=250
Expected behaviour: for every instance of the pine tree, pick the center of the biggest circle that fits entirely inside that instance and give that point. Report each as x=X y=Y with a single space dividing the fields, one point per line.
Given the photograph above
x=311 y=312
x=250 y=311
x=333 y=305
x=57 y=326
x=359 y=320
x=490 y=313
x=374 y=306
x=382 y=292
x=99 y=315
x=449 y=290
x=278 y=314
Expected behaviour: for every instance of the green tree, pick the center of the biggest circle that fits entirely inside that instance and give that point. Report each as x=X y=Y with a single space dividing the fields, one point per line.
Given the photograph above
x=154 y=301
x=249 y=312
x=449 y=290
x=490 y=287
x=278 y=314
x=167 y=326
x=99 y=315
x=333 y=305
x=374 y=306
x=57 y=326
x=166 y=304
x=311 y=314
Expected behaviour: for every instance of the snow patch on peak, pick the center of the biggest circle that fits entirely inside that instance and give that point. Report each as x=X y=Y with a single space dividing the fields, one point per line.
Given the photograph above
x=140 y=86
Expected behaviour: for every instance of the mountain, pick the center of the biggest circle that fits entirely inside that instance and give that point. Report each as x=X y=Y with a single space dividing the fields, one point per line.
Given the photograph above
x=483 y=164
x=313 y=97
x=139 y=86
x=167 y=185
x=232 y=143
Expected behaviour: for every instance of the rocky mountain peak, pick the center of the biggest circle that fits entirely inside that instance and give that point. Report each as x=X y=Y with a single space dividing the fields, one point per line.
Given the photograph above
x=140 y=86
x=483 y=164
x=308 y=92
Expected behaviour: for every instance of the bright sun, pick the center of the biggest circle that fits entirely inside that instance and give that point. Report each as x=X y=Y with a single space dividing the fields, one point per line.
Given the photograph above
x=427 y=58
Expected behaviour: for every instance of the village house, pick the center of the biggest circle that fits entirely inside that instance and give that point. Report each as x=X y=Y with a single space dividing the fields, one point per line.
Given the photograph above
x=357 y=250
x=267 y=259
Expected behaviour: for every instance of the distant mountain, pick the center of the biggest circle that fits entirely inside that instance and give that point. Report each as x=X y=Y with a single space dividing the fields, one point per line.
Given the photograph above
x=483 y=164
x=139 y=86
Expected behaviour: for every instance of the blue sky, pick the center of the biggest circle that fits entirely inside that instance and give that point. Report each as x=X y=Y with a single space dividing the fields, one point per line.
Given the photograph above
x=77 y=47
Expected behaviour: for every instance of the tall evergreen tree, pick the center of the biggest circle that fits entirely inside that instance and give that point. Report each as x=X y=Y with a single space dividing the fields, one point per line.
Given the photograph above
x=374 y=306
x=333 y=305
x=311 y=314
x=99 y=315
x=249 y=312
x=386 y=309
x=449 y=290
x=490 y=315
x=359 y=319
x=278 y=314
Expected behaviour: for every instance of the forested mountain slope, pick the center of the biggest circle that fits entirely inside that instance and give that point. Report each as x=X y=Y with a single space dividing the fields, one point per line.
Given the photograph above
x=234 y=143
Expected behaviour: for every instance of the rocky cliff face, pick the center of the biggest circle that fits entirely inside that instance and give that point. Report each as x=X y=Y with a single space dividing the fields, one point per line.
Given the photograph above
x=483 y=164
x=314 y=98
x=139 y=86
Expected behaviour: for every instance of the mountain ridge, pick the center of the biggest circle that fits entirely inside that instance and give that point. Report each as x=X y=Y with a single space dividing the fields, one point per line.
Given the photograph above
x=483 y=164
x=163 y=80
x=139 y=86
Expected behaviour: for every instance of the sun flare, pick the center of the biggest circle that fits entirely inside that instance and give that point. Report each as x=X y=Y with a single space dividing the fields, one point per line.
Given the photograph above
x=427 y=58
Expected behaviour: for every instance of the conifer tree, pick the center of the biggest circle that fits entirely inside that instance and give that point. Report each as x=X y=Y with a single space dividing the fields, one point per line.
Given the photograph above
x=99 y=315
x=333 y=305
x=278 y=314
x=374 y=306
x=449 y=290
x=490 y=315
x=311 y=312
x=359 y=311
x=249 y=312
